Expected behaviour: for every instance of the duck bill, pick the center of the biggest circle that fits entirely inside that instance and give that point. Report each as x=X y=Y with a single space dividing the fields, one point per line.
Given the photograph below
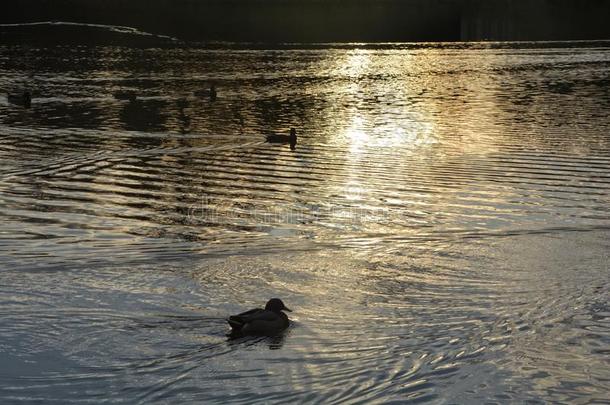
x=286 y=309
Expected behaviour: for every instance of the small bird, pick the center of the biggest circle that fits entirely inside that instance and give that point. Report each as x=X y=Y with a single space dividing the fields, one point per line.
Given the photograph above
x=128 y=95
x=291 y=139
x=262 y=322
x=24 y=99
x=211 y=93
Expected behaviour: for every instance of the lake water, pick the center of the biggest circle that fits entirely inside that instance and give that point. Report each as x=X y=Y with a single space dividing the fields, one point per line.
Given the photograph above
x=441 y=232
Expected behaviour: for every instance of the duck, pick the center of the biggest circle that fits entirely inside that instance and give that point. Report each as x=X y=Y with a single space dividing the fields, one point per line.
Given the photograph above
x=128 y=95
x=211 y=93
x=23 y=99
x=260 y=322
x=278 y=138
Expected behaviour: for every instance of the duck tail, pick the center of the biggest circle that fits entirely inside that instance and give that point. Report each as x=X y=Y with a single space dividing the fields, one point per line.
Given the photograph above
x=236 y=327
x=235 y=322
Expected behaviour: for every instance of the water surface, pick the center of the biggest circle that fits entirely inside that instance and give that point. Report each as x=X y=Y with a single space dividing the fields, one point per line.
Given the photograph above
x=441 y=231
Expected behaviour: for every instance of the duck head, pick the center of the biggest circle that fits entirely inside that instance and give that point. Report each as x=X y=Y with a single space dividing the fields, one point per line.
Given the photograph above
x=276 y=305
x=27 y=99
x=293 y=138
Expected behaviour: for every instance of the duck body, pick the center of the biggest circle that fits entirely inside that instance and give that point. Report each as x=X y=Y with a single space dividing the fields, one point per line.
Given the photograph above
x=279 y=138
x=23 y=99
x=260 y=322
x=211 y=93
x=125 y=95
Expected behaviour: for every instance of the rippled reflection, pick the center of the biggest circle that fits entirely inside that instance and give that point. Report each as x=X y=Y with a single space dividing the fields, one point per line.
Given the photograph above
x=441 y=229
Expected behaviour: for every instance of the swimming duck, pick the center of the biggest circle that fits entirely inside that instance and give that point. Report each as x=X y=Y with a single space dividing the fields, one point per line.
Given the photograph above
x=266 y=322
x=24 y=99
x=128 y=95
x=291 y=139
x=211 y=93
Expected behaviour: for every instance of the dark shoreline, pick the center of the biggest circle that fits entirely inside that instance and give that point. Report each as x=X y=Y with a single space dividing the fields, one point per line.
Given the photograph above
x=311 y=21
x=57 y=33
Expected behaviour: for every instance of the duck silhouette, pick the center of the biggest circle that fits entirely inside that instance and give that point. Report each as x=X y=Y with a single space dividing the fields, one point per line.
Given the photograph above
x=211 y=93
x=260 y=322
x=279 y=138
x=128 y=95
x=23 y=99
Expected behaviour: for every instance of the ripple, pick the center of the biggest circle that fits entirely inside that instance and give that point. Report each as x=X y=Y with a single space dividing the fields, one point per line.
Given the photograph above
x=440 y=230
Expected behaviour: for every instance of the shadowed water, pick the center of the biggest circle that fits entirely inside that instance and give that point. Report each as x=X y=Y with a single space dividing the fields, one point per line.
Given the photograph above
x=441 y=230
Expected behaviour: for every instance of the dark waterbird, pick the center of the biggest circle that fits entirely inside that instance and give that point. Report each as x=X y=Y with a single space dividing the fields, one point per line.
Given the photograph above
x=211 y=93
x=260 y=322
x=128 y=95
x=22 y=99
x=278 y=138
